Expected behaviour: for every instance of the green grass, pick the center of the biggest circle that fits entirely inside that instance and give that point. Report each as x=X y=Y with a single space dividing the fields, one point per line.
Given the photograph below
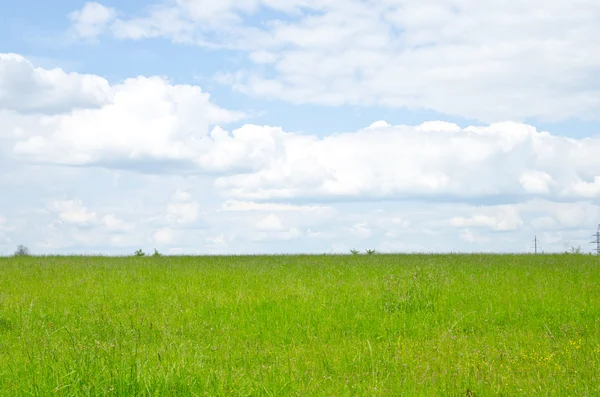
x=377 y=325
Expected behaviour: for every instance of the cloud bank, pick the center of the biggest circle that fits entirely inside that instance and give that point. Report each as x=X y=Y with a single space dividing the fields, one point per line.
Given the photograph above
x=485 y=61
x=148 y=125
x=113 y=155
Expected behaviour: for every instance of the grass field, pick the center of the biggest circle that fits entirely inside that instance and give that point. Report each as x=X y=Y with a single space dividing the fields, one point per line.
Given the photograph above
x=369 y=325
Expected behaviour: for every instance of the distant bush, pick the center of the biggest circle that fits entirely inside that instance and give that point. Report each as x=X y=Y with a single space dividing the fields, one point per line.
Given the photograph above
x=574 y=250
x=139 y=253
x=355 y=252
x=22 y=251
x=156 y=253
x=371 y=252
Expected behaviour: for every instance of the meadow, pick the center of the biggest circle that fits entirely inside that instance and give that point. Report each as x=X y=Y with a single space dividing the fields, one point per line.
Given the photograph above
x=322 y=325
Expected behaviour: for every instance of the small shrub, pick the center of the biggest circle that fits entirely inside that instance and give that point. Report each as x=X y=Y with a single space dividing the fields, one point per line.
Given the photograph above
x=156 y=253
x=22 y=251
x=139 y=253
x=370 y=252
x=355 y=252
x=574 y=250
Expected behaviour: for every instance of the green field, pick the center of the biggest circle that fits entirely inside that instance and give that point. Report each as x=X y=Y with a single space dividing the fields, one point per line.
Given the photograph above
x=324 y=325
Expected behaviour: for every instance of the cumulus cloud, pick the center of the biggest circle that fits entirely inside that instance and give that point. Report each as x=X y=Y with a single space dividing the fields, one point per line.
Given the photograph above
x=505 y=218
x=74 y=212
x=281 y=190
x=182 y=208
x=270 y=223
x=113 y=223
x=248 y=221
x=535 y=182
x=489 y=62
x=242 y=206
x=563 y=215
x=142 y=120
x=587 y=189
x=384 y=226
x=473 y=237
x=149 y=125
x=250 y=228
x=360 y=230
x=26 y=88
x=181 y=196
x=92 y=20
x=428 y=161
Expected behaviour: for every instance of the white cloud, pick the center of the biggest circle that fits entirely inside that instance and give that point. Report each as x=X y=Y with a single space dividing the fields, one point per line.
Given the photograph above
x=218 y=241
x=73 y=211
x=488 y=61
x=140 y=121
x=437 y=126
x=92 y=20
x=277 y=235
x=394 y=226
x=262 y=57
x=587 y=189
x=241 y=228
x=570 y=215
x=181 y=196
x=149 y=125
x=112 y=223
x=505 y=218
x=543 y=222
x=385 y=226
x=425 y=161
x=182 y=209
x=162 y=21
x=316 y=234
x=553 y=238
x=379 y=124
x=25 y=88
x=183 y=212
x=271 y=223
x=163 y=236
x=536 y=182
x=360 y=230
x=473 y=237
x=259 y=221
x=242 y=206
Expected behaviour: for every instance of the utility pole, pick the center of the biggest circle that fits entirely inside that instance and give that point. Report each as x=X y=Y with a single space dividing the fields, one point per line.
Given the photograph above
x=535 y=244
x=596 y=241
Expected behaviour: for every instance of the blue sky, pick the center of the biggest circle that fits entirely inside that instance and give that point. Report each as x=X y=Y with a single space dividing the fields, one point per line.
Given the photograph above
x=251 y=126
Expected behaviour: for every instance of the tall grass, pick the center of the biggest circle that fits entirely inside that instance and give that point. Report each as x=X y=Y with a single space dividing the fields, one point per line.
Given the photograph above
x=377 y=325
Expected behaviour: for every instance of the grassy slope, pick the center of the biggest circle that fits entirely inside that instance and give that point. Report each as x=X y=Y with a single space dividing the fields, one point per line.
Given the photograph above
x=301 y=325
